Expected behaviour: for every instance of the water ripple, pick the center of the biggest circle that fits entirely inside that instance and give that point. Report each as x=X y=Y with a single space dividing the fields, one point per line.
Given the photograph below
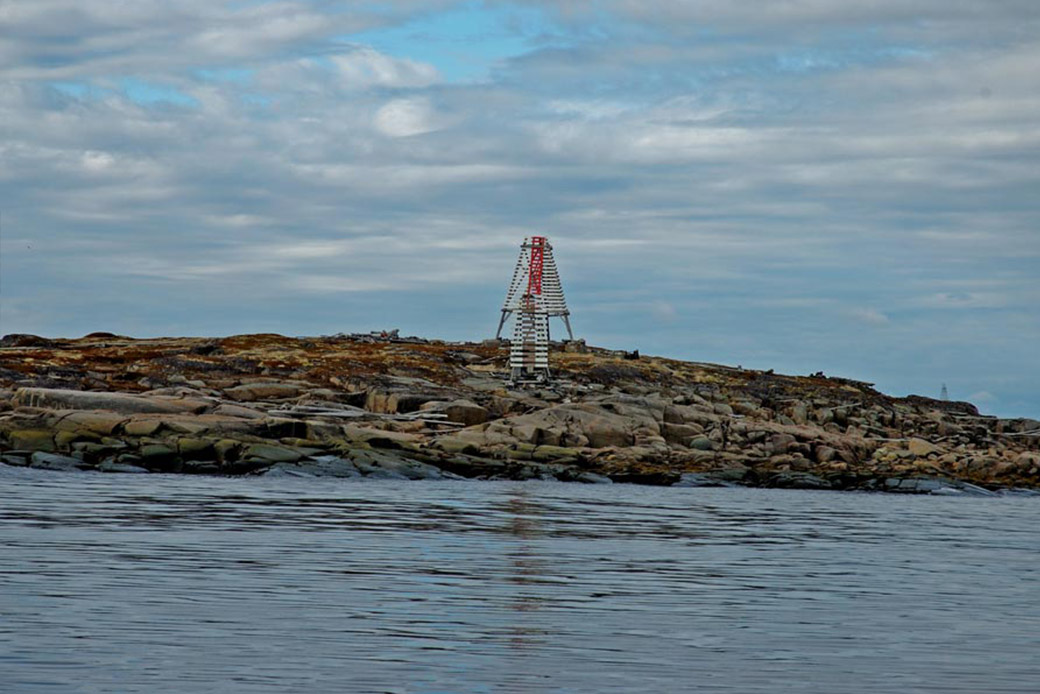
x=171 y=584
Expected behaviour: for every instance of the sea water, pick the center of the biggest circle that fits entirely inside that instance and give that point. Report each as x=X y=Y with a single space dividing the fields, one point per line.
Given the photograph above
x=172 y=584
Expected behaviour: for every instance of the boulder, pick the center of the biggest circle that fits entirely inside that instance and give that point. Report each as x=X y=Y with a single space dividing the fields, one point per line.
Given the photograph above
x=722 y=408
x=680 y=433
x=398 y=401
x=57 y=399
x=112 y=465
x=556 y=454
x=25 y=340
x=320 y=466
x=737 y=473
x=922 y=448
x=745 y=408
x=15 y=458
x=462 y=442
x=195 y=449
x=228 y=410
x=386 y=465
x=702 y=415
x=779 y=443
x=1027 y=461
x=798 y=480
x=913 y=485
x=65 y=439
x=799 y=413
x=463 y=412
x=227 y=450
x=824 y=454
x=91 y=451
x=700 y=443
x=32 y=439
x=274 y=454
x=53 y=461
x=142 y=427
x=194 y=425
x=318 y=430
x=104 y=423
x=672 y=415
x=380 y=438
x=186 y=426
x=250 y=392
x=158 y=456
x=586 y=477
x=571 y=424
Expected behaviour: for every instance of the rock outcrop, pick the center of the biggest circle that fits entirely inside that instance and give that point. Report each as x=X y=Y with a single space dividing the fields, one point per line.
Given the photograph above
x=419 y=409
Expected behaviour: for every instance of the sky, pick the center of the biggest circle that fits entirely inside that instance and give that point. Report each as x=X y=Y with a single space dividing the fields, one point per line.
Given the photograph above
x=802 y=185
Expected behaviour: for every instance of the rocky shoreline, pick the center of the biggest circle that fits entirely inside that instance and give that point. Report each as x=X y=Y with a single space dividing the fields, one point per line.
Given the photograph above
x=379 y=406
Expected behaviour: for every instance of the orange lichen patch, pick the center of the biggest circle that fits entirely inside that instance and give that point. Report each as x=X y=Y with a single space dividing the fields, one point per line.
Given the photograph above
x=749 y=419
x=134 y=365
x=315 y=359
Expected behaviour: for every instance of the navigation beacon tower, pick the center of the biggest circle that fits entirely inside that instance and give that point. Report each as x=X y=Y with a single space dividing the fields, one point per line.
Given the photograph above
x=534 y=295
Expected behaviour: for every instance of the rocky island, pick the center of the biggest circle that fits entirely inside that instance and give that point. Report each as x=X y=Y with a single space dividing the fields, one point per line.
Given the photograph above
x=408 y=408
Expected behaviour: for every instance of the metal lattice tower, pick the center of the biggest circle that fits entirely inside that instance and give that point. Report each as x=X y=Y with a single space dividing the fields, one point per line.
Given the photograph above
x=945 y=394
x=534 y=295
x=536 y=270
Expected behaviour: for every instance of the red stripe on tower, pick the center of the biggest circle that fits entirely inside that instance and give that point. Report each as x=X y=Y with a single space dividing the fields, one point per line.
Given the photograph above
x=534 y=277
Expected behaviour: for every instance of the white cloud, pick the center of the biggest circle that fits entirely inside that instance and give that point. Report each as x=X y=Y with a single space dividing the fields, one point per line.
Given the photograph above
x=870 y=316
x=676 y=177
x=406 y=117
x=366 y=67
x=664 y=311
x=982 y=397
x=963 y=300
x=66 y=39
x=811 y=14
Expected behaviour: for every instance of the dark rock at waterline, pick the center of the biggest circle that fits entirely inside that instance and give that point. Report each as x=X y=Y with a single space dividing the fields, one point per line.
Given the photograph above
x=797 y=480
x=54 y=461
x=15 y=458
x=112 y=465
x=697 y=479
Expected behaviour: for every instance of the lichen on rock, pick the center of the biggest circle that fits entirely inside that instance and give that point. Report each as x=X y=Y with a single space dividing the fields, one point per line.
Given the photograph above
x=420 y=409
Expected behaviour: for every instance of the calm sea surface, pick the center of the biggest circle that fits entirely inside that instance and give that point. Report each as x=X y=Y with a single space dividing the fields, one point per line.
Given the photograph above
x=126 y=583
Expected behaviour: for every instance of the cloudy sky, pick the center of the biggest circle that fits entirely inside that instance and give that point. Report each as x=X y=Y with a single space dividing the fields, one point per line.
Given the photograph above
x=805 y=185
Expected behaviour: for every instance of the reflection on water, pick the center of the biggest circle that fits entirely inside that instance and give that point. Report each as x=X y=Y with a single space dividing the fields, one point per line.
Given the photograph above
x=528 y=569
x=174 y=584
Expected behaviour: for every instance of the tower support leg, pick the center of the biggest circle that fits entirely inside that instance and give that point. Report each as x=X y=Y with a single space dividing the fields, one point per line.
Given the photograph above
x=567 y=322
x=501 y=323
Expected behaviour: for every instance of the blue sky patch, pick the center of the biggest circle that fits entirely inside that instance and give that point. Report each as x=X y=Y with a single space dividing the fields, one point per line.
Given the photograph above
x=465 y=43
x=152 y=93
x=77 y=90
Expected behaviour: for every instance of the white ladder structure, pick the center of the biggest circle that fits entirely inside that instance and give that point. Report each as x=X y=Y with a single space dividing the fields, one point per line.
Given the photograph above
x=551 y=294
x=535 y=294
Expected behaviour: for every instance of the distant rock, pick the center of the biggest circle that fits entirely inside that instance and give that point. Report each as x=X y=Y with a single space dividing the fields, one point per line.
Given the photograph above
x=25 y=340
